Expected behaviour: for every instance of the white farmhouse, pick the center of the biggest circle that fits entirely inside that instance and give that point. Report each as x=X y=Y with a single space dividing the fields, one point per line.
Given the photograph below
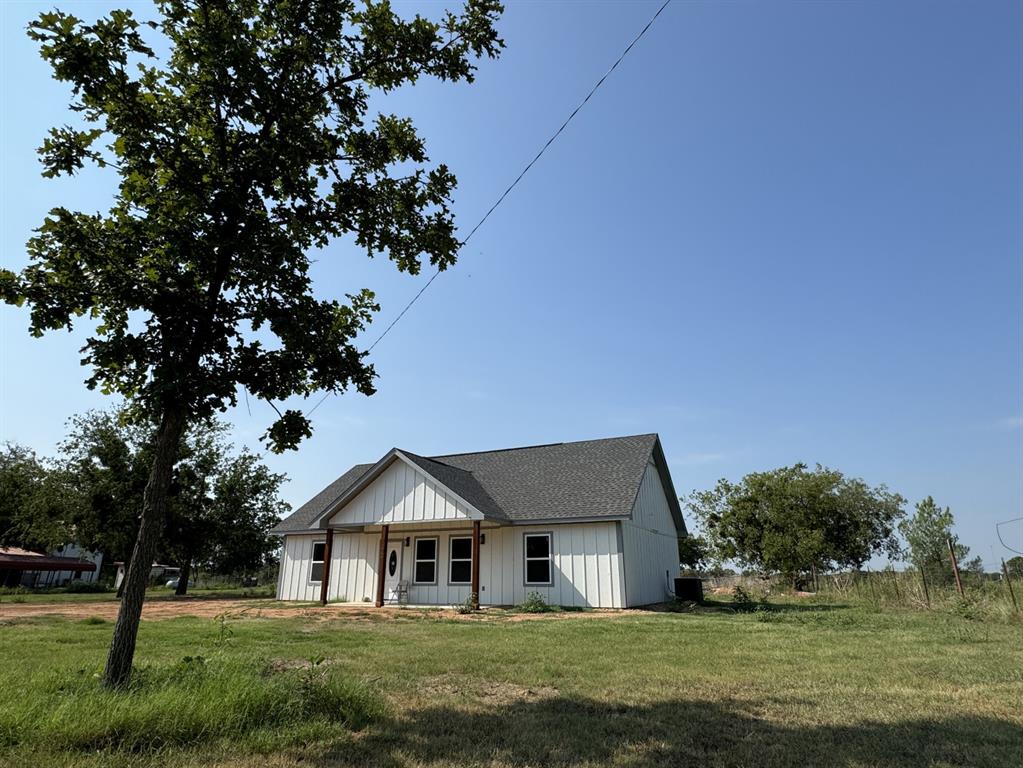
x=593 y=523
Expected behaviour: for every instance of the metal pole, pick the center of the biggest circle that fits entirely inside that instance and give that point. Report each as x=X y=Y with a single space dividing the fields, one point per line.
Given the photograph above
x=1008 y=583
x=955 y=567
x=927 y=594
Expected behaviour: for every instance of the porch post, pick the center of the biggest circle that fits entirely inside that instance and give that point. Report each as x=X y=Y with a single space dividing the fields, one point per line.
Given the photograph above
x=381 y=565
x=476 y=564
x=325 y=581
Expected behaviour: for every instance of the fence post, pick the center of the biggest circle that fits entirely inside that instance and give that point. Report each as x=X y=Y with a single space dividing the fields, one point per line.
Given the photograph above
x=895 y=583
x=927 y=594
x=1008 y=583
x=955 y=567
x=870 y=583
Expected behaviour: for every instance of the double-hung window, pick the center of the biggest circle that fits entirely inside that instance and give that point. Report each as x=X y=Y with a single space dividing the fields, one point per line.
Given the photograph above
x=460 y=560
x=316 y=569
x=425 y=570
x=538 y=559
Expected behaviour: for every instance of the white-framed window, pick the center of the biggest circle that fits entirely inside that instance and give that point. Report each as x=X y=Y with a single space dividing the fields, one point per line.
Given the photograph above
x=316 y=569
x=425 y=566
x=537 y=553
x=460 y=560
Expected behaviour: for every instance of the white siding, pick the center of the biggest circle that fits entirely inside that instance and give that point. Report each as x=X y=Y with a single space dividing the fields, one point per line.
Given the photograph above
x=586 y=566
x=402 y=494
x=650 y=541
x=352 y=567
x=293 y=581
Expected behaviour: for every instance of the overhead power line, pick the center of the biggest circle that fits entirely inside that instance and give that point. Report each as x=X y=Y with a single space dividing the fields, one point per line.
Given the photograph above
x=998 y=530
x=512 y=186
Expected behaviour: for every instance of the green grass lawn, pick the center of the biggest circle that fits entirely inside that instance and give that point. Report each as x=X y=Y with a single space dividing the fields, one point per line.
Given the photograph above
x=827 y=685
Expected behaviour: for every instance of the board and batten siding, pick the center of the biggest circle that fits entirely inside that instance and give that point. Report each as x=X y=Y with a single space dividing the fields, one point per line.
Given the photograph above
x=650 y=544
x=402 y=493
x=353 y=573
x=586 y=566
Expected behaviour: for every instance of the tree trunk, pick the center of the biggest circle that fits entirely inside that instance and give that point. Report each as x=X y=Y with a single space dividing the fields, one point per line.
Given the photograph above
x=154 y=509
x=185 y=572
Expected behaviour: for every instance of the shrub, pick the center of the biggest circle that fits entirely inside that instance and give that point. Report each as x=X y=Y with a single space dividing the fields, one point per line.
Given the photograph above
x=745 y=602
x=535 y=603
x=86 y=587
x=468 y=605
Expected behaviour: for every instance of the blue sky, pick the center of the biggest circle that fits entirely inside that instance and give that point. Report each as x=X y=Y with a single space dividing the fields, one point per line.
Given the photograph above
x=779 y=232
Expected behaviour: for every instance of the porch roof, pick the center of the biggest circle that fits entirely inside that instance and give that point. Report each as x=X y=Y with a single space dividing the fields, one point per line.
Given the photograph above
x=17 y=559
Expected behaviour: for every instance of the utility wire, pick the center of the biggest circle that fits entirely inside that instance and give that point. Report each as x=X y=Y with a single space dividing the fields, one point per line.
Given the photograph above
x=512 y=186
x=997 y=530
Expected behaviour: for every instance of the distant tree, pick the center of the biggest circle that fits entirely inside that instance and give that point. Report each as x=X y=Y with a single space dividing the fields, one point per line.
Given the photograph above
x=107 y=458
x=793 y=520
x=247 y=147
x=223 y=508
x=221 y=504
x=974 y=566
x=927 y=533
x=34 y=501
x=1015 y=566
x=693 y=552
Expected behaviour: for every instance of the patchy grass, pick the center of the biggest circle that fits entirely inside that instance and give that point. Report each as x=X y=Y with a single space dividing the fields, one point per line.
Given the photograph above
x=798 y=684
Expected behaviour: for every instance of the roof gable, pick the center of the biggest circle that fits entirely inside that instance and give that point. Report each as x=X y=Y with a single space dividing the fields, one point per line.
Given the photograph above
x=398 y=489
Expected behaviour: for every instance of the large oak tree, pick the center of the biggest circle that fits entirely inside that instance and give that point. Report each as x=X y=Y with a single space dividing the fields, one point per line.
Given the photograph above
x=250 y=144
x=794 y=519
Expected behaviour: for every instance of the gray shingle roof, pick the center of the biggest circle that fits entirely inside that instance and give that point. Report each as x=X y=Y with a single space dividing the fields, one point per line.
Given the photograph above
x=562 y=481
x=306 y=515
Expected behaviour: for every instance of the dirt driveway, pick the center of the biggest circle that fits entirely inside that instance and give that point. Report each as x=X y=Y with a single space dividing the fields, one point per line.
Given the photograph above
x=210 y=607
x=159 y=608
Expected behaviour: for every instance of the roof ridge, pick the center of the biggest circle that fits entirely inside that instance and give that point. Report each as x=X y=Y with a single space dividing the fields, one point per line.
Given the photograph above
x=434 y=459
x=540 y=445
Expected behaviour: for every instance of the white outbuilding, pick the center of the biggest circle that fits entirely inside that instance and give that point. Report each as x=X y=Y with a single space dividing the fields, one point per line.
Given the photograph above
x=590 y=524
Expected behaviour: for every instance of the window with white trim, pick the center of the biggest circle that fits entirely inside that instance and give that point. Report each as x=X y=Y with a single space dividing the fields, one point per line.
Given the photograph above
x=425 y=570
x=537 y=552
x=460 y=560
x=316 y=569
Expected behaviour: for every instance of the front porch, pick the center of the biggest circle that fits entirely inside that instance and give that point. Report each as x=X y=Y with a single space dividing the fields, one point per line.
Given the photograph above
x=426 y=563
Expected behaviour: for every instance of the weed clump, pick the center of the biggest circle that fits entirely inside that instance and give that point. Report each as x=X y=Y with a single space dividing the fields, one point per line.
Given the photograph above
x=745 y=602
x=535 y=603
x=467 y=606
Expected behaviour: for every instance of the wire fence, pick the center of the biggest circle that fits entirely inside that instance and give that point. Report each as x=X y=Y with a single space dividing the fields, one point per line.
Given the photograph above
x=926 y=589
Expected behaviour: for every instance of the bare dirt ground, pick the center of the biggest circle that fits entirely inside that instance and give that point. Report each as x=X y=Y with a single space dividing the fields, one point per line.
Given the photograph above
x=211 y=607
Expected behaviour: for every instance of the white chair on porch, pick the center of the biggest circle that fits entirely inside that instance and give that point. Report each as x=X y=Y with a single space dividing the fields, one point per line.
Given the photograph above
x=402 y=593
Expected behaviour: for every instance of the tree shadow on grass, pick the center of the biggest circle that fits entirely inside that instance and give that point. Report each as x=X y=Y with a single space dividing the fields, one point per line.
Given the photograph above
x=577 y=732
x=730 y=607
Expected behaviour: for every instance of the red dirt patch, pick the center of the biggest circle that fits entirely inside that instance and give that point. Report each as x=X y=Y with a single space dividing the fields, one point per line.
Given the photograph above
x=207 y=607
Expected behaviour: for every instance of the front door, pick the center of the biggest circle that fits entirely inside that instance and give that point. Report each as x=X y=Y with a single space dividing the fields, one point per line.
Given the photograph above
x=392 y=570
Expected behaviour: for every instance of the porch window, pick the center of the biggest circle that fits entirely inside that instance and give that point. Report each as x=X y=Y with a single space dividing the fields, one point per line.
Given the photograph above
x=538 y=558
x=425 y=570
x=460 y=562
x=316 y=570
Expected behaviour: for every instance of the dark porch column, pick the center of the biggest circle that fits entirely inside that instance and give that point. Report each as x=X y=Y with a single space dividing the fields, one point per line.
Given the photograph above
x=325 y=581
x=475 y=564
x=382 y=565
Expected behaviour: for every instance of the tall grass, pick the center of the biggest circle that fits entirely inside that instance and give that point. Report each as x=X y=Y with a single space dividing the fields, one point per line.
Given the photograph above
x=983 y=598
x=193 y=702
